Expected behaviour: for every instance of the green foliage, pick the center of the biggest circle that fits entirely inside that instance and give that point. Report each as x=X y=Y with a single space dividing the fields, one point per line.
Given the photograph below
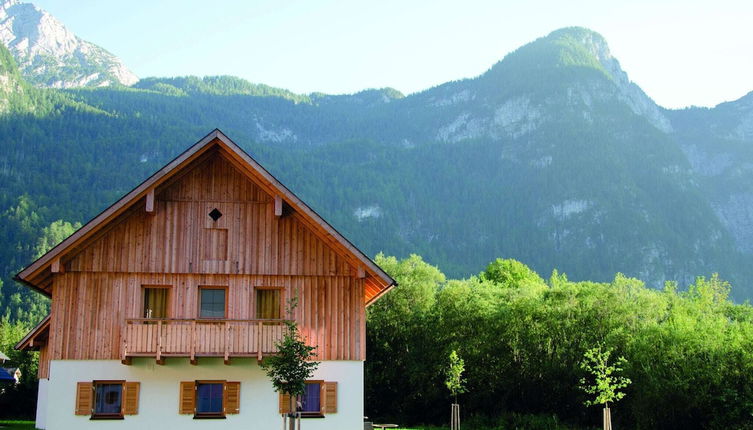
x=689 y=354
x=18 y=401
x=509 y=272
x=53 y=234
x=454 y=375
x=606 y=383
x=292 y=365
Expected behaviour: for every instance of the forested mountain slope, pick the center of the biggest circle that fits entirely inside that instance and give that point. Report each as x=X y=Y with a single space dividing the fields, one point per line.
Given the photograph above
x=551 y=157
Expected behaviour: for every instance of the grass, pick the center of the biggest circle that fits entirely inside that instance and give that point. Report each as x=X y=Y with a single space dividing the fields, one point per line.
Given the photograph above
x=17 y=425
x=511 y=421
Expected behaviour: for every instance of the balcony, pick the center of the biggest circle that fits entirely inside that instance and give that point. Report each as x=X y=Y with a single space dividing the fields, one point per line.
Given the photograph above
x=193 y=338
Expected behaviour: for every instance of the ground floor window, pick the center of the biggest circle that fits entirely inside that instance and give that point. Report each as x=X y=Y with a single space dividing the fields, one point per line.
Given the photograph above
x=319 y=399
x=210 y=399
x=311 y=400
x=209 y=396
x=108 y=399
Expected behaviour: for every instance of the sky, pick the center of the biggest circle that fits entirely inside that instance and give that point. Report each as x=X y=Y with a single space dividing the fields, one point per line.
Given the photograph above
x=681 y=52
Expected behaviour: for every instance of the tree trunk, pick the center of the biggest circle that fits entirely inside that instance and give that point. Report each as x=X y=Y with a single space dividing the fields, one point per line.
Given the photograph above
x=607 y=419
x=293 y=413
x=455 y=417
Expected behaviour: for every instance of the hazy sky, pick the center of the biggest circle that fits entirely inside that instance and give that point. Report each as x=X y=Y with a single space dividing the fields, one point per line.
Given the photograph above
x=681 y=52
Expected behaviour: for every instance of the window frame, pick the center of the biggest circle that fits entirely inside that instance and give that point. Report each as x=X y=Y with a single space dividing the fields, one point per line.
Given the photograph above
x=256 y=301
x=198 y=301
x=168 y=304
x=107 y=416
x=208 y=415
x=320 y=412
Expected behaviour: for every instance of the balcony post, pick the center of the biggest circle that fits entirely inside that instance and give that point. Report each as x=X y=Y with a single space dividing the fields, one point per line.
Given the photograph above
x=193 y=343
x=227 y=342
x=160 y=360
x=124 y=358
x=258 y=341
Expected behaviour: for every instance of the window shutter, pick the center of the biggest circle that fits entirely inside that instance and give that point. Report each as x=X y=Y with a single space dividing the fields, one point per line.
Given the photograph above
x=284 y=403
x=330 y=398
x=187 y=397
x=84 y=397
x=131 y=398
x=232 y=397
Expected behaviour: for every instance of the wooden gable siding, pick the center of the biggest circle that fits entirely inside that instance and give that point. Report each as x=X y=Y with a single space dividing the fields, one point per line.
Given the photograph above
x=43 y=372
x=179 y=238
x=89 y=309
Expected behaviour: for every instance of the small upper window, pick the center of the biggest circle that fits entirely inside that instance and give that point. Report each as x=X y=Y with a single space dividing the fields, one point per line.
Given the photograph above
x=108 y=397
x=268 y=303
x=212 y=303
x=155 y=302
x=209 y=396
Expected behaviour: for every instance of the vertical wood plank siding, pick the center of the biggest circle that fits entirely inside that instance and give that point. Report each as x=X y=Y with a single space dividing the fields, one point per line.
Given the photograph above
x=182 y=247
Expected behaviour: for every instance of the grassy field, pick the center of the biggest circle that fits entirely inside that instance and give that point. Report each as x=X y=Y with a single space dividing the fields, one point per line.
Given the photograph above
x=17 y=425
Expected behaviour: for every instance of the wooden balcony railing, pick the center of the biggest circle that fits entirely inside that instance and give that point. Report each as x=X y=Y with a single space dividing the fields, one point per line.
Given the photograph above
x=194 y=338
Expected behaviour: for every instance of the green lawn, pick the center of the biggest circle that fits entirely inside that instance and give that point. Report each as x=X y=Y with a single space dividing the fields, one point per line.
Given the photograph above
x=17 y=425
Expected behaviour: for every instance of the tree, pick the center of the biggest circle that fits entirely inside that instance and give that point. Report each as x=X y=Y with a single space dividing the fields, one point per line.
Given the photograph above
x=456 y=384
x=53 y=234
x=606 y=384
x=292 y=365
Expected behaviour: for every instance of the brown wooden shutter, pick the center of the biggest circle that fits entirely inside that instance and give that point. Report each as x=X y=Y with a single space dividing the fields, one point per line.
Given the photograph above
x=284 y=403
x=330 y=398
x=84 y=398
x=232 y=397
x=187 y=397
x=131 y=396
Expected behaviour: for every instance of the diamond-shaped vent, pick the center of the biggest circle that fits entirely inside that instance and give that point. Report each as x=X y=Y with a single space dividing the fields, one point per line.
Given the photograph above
x=215 y=214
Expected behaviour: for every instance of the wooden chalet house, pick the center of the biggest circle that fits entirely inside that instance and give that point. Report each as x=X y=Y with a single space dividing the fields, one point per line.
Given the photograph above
x=164 y=303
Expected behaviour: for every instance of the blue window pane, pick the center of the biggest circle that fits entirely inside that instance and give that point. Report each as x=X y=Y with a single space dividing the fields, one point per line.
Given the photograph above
x=310 y=399
x=212 y=303
x=107 y=398
x=209 y=398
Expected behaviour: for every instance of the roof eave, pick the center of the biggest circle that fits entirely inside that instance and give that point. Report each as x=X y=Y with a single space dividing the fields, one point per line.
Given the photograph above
x=39 y=328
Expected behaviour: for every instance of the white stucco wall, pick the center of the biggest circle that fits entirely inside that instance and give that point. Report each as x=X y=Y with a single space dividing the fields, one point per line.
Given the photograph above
x=42 y=404
x=159 y=394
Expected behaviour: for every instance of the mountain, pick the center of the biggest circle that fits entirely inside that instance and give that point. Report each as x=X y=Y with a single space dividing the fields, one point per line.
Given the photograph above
x=50 y=55
x=552 y=157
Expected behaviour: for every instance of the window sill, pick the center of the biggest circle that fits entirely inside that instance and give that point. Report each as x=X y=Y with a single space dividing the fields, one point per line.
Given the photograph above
x=106 y=417
x=312 y=415
x=209 y=417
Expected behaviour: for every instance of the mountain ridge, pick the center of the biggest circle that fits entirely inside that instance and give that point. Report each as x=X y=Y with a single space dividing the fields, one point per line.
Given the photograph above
x=50 y=55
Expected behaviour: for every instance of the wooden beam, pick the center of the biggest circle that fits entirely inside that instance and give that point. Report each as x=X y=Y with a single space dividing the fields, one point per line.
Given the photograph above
x=126 y=361
x=278 y=206
x=194 y=361
x=150 y=202
x=56 y=267
x=160 y=361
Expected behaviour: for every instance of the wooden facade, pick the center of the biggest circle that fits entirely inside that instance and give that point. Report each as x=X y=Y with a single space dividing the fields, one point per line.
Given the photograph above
x=211 y=218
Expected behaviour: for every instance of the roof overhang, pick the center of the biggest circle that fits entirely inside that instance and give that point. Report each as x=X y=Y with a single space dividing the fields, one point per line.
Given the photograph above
x=36 y=337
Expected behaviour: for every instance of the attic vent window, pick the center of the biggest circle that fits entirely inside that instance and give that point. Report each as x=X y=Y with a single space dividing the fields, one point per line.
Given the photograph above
x=215 y=214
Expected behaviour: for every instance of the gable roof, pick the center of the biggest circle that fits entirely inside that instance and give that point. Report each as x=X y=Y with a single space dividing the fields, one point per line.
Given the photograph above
x=40 y=331
x=38 y=274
